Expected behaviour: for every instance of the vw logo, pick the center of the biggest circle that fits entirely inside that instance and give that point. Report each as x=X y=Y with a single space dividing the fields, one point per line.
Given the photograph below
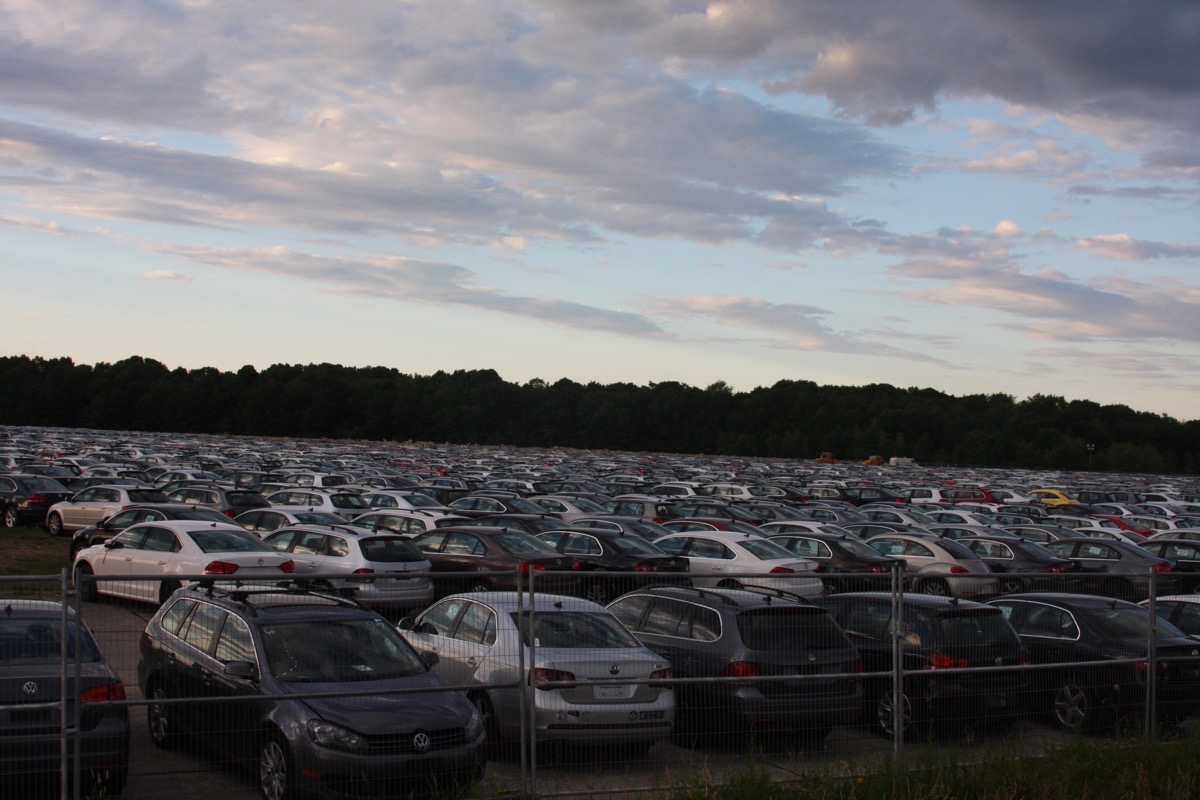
x=613 y=669
x=812 y=656
x=260 y=562
x=421 y=742
x=999 y=661
x=30 y=688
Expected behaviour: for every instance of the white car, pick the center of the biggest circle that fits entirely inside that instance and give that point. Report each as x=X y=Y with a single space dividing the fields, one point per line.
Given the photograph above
x=381 y=570
x=91 y=505
x=735 y=560
x=167 y=553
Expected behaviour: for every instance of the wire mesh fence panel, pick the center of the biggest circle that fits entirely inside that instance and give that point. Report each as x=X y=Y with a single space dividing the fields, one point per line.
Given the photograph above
x=497 y=686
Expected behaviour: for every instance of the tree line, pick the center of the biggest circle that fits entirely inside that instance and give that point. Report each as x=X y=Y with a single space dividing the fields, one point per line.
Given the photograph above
x=791 y=419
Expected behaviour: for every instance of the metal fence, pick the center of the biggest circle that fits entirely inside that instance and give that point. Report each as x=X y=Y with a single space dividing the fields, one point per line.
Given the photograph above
x=927 y=674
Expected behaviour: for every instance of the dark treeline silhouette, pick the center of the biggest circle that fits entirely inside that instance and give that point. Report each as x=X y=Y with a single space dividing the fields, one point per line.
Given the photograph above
x=792 y=419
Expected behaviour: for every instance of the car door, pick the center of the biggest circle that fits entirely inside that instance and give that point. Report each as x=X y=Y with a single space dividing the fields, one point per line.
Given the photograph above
x=710 y=560
x=152 y=559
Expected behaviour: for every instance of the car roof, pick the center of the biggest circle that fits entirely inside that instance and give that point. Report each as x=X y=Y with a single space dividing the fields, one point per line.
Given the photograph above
x=519 y=601
x=733 y=599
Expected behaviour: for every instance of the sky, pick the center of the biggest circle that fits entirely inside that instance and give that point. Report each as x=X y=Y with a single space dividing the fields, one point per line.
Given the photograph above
x=980 y=196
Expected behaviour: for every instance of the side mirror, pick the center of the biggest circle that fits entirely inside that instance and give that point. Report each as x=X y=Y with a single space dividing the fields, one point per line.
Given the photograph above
x=113 y=544
x=241 y=669
x=430 y=658
x=405 y=624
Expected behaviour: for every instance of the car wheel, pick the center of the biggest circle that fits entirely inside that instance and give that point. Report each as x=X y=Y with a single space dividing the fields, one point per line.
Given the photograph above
x=9 y=520
x=936 y=586
x=165 y=590
x=163 y=733
x=1074 y=709
x=885 y=712
x=100 y=783
x=274 y=770
x=88 y=592
x=479 y=585
x=54 y=525
x=1011 y=585
x=488 y=714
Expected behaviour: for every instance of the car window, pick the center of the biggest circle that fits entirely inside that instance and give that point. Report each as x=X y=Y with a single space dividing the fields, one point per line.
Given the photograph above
x=309 y=543
x=575 y=629
x=629 y=609
x=465 y=544
x=666 y=617
x=581 y=544
x=709 y=548
x=869 y=620
x=161 y=540
x=235 y=642
x=917 y=550
x=36 y=641
x=443 y=616
x=389 y=549
x=781 y=627
x=201 y=627
x=478 y=625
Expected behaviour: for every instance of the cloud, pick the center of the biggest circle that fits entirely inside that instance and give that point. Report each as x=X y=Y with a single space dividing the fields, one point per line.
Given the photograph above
x=165 y=275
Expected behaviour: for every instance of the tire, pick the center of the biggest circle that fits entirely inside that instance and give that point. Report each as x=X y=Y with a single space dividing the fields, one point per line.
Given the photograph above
x=163 y=732
x=88 y=592
x=479 y=585
x=165 y=590
x=9 y=518
x=598 y=592
x=54 y=525
x=488 y=714
x=885 y=715
x=935 y=586
x=275 y=769
x=1074 y=707
x=103 y=783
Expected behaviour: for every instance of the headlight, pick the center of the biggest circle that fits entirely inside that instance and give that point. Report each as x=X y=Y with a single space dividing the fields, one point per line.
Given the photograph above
x=335 y=737
x=474 y=726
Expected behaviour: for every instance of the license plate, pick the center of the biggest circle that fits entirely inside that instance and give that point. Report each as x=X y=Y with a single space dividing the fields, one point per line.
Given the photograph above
x=611 y=692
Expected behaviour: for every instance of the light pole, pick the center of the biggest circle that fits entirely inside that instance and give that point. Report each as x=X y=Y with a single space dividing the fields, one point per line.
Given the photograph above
x=1091 y=448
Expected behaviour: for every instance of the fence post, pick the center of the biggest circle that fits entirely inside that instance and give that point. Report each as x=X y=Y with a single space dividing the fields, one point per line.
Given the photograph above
x=898 y=699
x=1151 y=712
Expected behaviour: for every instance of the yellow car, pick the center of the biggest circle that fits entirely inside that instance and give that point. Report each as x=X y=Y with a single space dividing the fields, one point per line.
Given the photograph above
x=1051 y=497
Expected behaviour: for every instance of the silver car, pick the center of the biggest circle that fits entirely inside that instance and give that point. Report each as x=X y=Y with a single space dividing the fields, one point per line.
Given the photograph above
x=939 y=566
x=610 y=692
x=381 y=570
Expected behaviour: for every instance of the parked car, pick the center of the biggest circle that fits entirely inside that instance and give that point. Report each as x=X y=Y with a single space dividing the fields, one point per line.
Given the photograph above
x=1025 y=566
x=34 y=646
x=479 y=505
x=645 y=528
x=400 y=498
x=646 y=507
x=845 y=562
x=599 y=552
x=733 y=560
x=1117 y=569
x=406 y=522
x=1180 y=610
x=25 y=498
x=229 y=502
x=346 y=505
x=575 y=653
x=1071 y=628
x=938 y=633
x=533 y=524
x=264 y=520
x=462 y=557
x=95 y=503
x=251 y=654
x=568 y=508
x=169 y=549
x=1183 y=554
x=938 y=566
x=377 y=570
x=739 y=635
x=152 y=512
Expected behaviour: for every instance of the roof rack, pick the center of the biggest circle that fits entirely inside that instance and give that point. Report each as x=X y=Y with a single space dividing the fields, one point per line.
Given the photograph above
x=241 y=593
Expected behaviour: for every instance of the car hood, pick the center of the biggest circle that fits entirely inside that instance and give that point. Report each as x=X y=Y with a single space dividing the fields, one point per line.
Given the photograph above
x=381 y=713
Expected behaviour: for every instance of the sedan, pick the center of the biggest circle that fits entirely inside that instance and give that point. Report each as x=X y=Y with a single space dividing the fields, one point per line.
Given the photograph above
x=96 y=503
x=108 y=528
x=938 y=566
x=594 y=682
x=735 y=560
x=599 y=552
x=1117 y=569
x=1025 y=566
x=845 y=562
x=487 y=559
x=1184 y=554
x=170 y=550
x=25 y=498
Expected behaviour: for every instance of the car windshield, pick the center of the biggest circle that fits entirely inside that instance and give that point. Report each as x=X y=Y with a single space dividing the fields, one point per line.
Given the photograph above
x=226 y=541
x=520 y=544
x=857 y=547
x=319 y=518
x=782 y=627
x=587 y=629
x=633 y=546
x=147 y=496
x=975 y=628
x=338 y=651
x=43 y=485
x=37 y=642
x=524 y=506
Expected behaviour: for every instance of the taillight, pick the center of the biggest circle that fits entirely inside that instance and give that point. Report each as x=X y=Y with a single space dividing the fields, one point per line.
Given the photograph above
x=101 y=694
x=958 y=569
x=525 y=567
x=220 y=568
x=367 y=571
x=944 y=661
x=1057 y=569
x=740 y=669
x=876 y=569
x=662 y=675
x=646 y=566
x=542 y=675
x=36 y=498
x=781 y=570
x=288 y=566
x=229 y=512
x=1162 y=567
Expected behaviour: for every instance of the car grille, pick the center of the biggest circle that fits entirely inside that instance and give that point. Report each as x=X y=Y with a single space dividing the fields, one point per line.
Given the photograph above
x=403 y=743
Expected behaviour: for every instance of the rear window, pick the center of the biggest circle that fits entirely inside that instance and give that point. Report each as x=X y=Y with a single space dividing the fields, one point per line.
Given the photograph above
x=39 y=641
x=976 y=628
x=147 y=496
x=782 y=627
x=390 y=549
x=250 y=499
x=584 y=629
x=348 y=501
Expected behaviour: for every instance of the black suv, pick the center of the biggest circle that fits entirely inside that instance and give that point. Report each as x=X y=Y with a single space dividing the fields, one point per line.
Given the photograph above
x=808 y=668
x=938 y=633
x=303 y=688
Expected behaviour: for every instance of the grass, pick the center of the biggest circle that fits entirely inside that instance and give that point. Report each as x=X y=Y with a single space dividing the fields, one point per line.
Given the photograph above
x=29 y=550
x=1086 y=769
